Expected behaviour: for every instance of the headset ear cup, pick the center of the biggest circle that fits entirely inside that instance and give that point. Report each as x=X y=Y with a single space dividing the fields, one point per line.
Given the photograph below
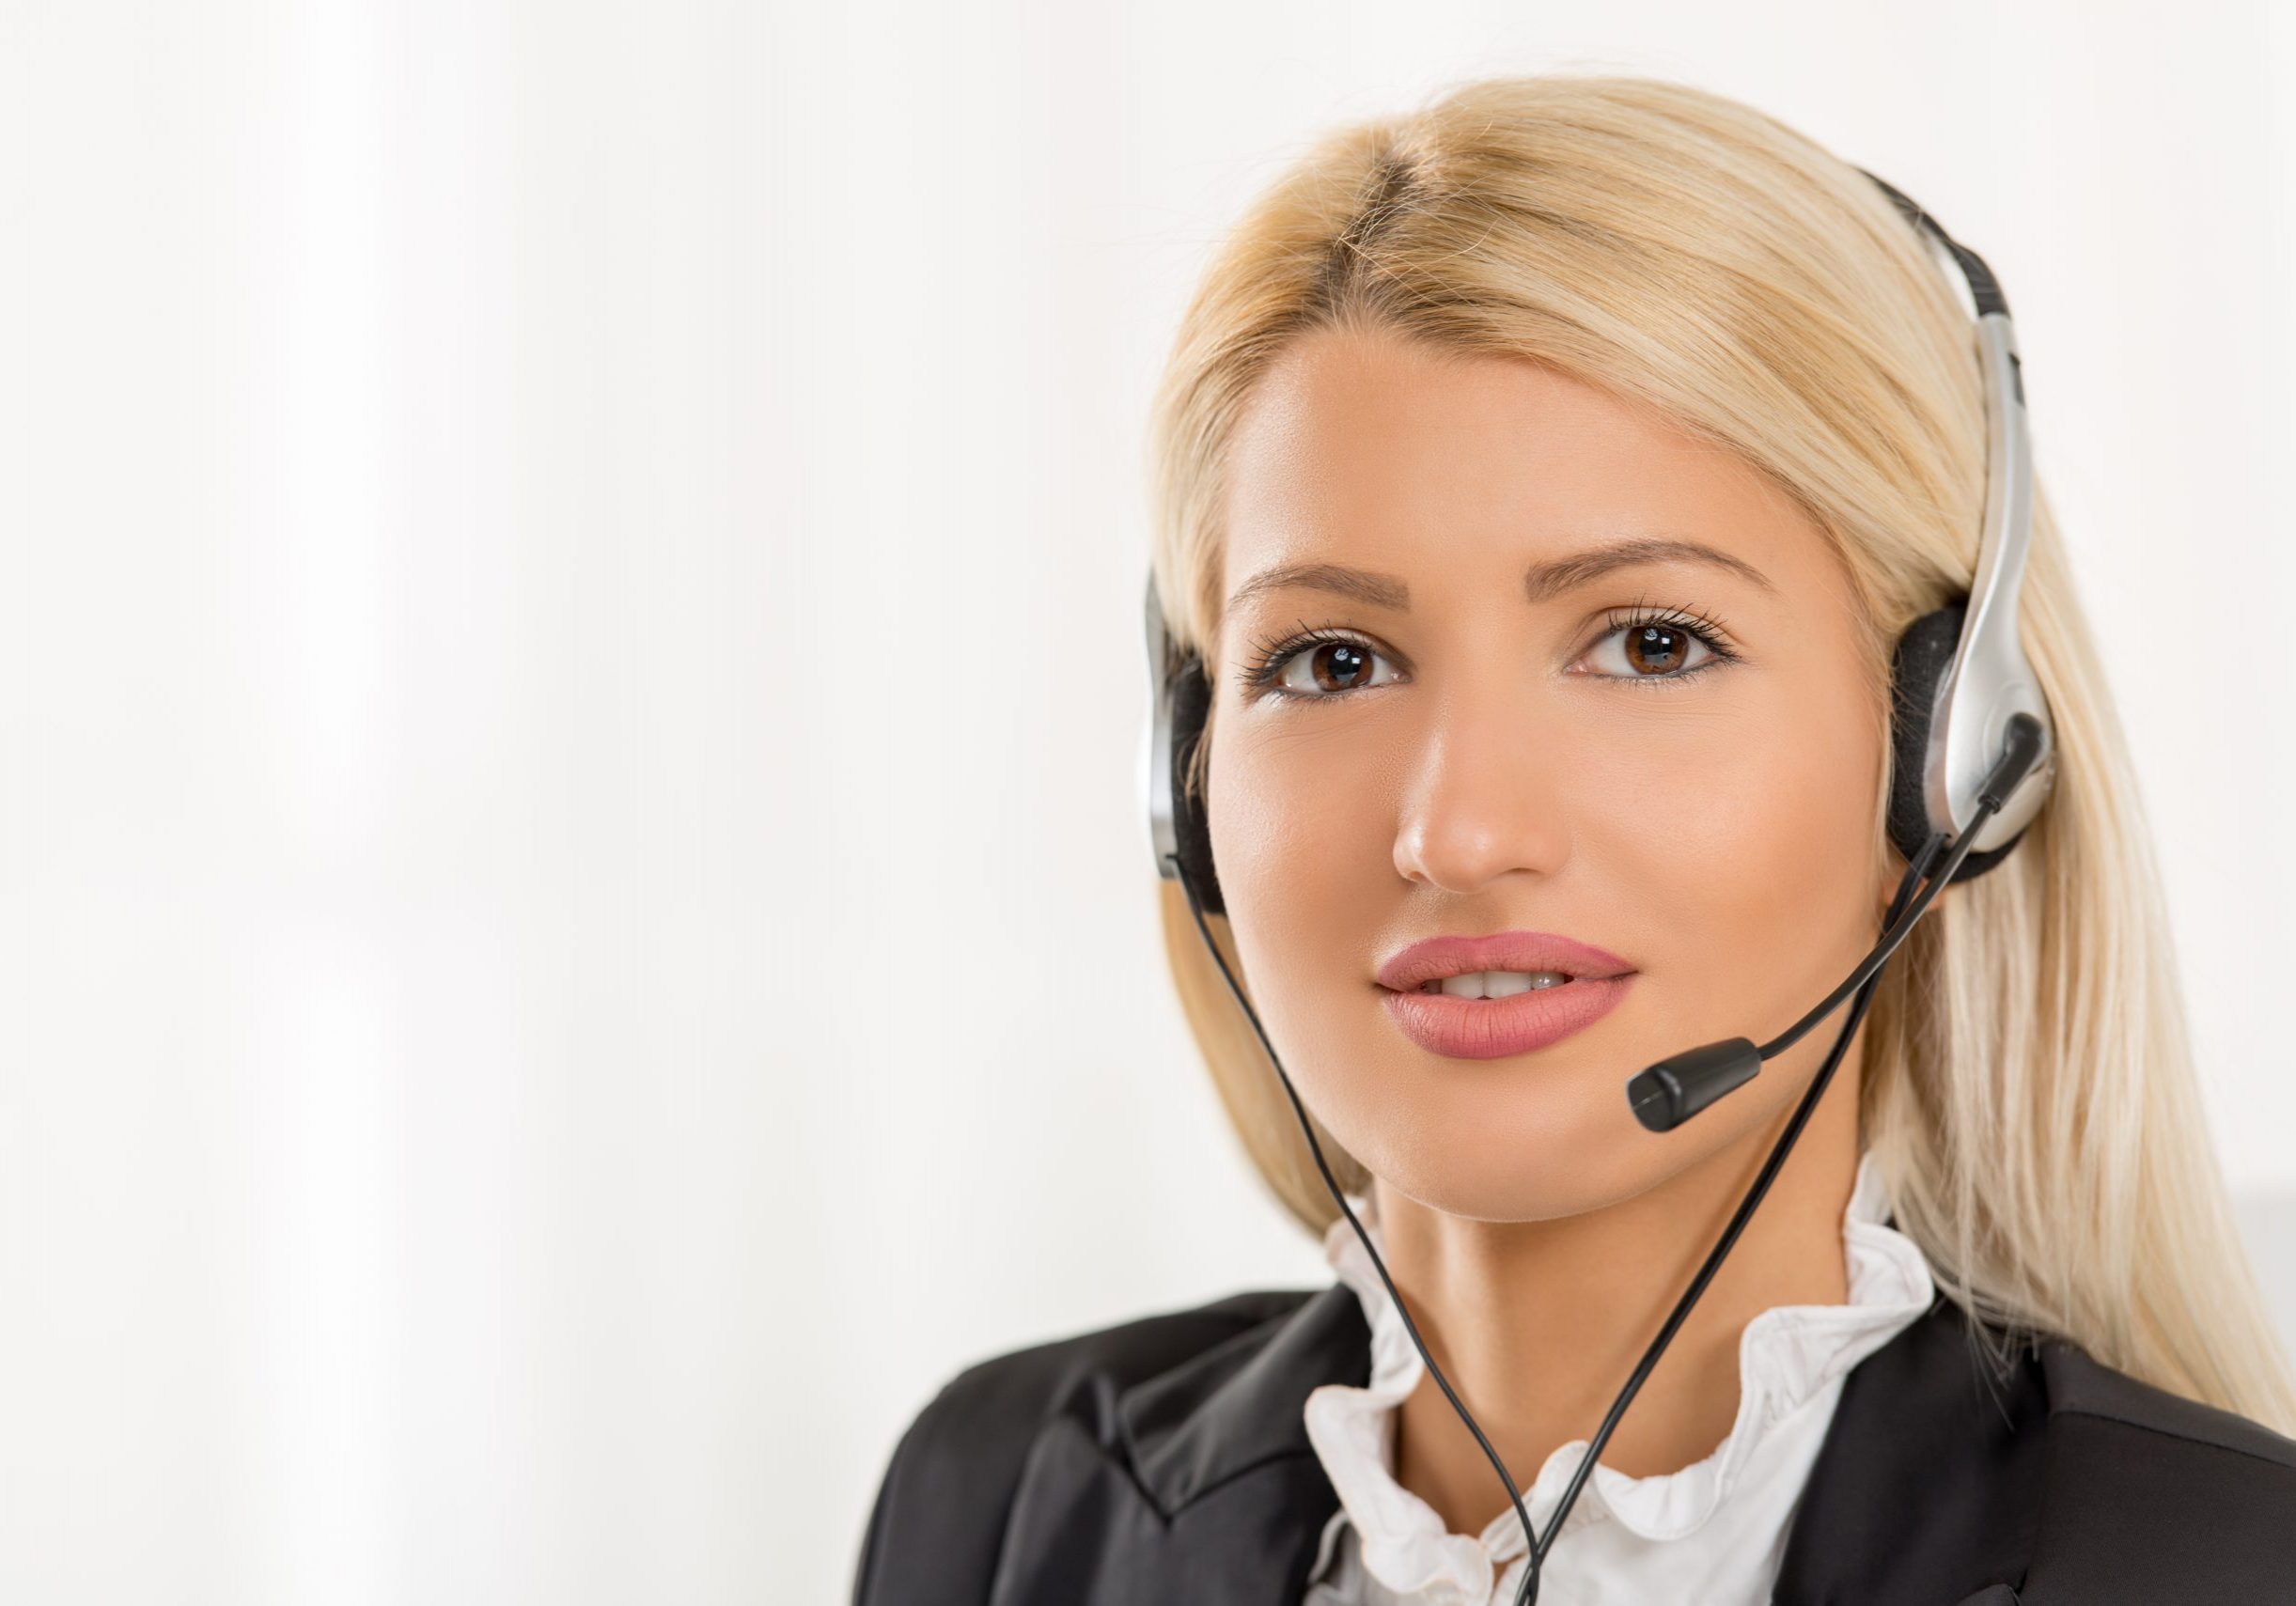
x=1924 y=653
x=1191 y=706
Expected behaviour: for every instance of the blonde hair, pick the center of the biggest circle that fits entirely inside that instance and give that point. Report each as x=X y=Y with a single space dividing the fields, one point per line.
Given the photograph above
x=2028 y=1089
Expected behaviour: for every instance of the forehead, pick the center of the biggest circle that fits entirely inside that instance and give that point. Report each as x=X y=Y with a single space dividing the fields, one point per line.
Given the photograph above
x=1376 y=450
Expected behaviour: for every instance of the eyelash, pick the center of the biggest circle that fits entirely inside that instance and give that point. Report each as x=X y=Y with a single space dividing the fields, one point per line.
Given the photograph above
x=1268 y=658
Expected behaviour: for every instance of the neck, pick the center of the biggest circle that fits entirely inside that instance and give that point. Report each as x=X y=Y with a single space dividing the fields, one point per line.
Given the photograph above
x=1538 y=1324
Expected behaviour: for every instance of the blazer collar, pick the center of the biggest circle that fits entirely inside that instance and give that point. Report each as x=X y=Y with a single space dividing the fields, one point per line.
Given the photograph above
x=1242 y=1403
x=1926 y=1488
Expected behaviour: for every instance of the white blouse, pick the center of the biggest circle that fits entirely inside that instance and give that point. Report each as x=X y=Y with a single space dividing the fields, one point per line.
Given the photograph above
x=1627 y=1540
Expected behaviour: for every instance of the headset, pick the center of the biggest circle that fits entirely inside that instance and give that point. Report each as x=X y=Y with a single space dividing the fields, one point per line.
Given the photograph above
x=1974 y=760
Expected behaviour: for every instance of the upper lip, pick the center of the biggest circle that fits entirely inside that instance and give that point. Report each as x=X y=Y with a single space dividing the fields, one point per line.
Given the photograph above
x=1432 y=959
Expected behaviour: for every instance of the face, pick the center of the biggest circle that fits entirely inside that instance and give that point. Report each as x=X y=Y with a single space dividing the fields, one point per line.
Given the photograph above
x=1448 y=705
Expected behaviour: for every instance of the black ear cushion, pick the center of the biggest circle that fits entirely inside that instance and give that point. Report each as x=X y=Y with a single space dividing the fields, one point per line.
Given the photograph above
x=1190 y=705
x=1924 y=653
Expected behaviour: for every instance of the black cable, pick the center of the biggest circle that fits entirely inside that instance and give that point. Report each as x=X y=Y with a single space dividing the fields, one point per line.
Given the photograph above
x=1316 y=1148
x=1893 y=932
x=1739 y=1218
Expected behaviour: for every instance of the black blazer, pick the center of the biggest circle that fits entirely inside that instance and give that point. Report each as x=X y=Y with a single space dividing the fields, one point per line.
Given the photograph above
x=1165 y=1462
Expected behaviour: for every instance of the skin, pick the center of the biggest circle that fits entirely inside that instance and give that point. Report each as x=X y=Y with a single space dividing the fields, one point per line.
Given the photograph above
x=1486 y=763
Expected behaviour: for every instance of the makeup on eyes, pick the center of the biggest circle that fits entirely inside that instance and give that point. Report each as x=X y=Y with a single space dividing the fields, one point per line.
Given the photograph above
x=1268 y=660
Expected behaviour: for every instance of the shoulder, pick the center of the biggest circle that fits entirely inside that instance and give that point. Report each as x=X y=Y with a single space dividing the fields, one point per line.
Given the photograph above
x=1969 y=1463
x=2151 y=1495
x=2139 y=1414
x=950 y=1482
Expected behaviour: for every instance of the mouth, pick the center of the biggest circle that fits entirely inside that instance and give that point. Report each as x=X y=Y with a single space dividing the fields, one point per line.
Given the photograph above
x=1490 y=997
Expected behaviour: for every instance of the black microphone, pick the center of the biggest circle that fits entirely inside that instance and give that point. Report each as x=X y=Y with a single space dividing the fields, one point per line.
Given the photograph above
x=1681 y=1085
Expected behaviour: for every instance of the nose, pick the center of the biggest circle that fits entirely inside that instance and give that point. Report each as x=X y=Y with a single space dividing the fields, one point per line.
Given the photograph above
x=1485 y=796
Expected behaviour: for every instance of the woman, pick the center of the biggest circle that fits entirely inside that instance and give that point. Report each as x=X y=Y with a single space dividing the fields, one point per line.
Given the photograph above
x=1565 y=491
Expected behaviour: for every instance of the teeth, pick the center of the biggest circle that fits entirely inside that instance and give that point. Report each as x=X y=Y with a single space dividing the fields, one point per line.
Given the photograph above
x=1496 y=984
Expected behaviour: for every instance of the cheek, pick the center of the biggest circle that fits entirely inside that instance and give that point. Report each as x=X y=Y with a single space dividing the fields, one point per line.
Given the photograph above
x=1301 y=814
x=1745 y=835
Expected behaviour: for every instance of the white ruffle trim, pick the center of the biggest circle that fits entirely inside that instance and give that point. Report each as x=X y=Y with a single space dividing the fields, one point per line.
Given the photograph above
x=1787 y=1357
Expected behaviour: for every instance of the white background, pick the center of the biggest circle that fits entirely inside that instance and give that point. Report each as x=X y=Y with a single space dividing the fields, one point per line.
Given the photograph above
x=575 y=930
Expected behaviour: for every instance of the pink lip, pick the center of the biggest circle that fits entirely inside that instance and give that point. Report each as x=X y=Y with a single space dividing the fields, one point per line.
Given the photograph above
x=1491 y=1028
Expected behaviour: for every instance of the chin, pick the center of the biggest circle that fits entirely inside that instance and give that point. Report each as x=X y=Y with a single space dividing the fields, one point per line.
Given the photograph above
x=1542 y=1138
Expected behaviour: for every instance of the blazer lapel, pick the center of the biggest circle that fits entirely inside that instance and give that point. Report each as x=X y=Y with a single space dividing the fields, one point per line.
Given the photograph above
x=1926 y=1491
x=1207 y=1491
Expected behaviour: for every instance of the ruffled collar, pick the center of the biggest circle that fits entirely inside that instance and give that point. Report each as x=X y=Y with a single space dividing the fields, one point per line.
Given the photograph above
x=1788 y=1356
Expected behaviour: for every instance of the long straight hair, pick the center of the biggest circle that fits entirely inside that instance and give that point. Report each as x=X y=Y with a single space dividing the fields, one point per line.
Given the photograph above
x=2028 y=1090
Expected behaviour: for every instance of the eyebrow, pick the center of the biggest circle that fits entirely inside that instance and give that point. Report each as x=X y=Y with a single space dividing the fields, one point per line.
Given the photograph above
x=1541 y=582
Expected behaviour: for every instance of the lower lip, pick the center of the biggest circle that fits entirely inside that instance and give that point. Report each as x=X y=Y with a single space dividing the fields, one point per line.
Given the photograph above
x=1492 y=1028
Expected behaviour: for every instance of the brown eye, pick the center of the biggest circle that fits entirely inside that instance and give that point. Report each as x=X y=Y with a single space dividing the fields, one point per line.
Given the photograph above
x=1322 y=670
x=1651 y=650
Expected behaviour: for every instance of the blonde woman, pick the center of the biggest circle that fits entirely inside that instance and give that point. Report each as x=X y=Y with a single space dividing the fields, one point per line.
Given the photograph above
x=1571 y=498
